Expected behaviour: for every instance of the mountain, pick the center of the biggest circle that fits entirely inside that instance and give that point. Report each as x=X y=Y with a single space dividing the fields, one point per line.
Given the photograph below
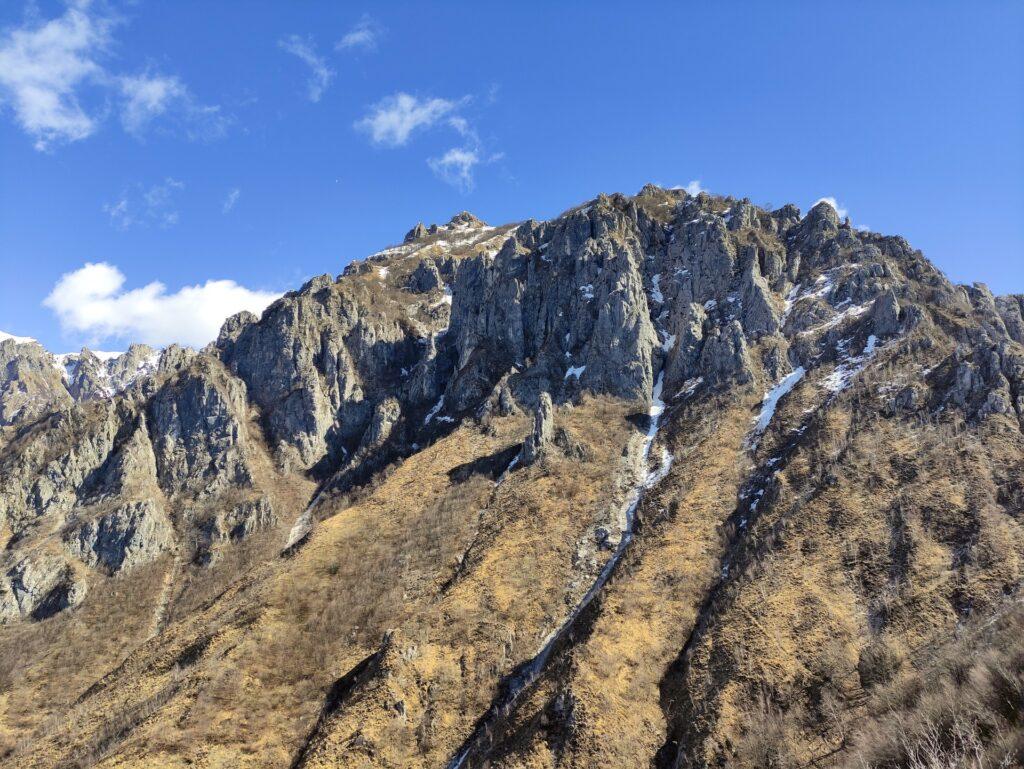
x=664 y=481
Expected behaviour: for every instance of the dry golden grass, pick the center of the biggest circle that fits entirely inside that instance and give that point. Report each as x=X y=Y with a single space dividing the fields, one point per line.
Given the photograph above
x=438 y=554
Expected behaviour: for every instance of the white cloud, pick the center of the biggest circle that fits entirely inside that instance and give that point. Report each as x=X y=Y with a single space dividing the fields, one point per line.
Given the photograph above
x=143 y=206
x=231 y=199
x=456 y=167
x=42 y=69
x=363 y=35
x=49 y=72
x=148 y=97
x=92 y=301
x=320 y=74
x=393 y=119
x=841 y=212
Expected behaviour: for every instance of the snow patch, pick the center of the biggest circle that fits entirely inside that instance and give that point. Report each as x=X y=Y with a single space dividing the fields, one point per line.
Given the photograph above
x=576 y=371
x=773 y=396
x=656 y=294
x=433 y=412
x=690 y=387
x=847 y=370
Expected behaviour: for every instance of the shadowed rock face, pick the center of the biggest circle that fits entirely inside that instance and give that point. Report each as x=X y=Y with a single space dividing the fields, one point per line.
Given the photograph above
x=445 y=442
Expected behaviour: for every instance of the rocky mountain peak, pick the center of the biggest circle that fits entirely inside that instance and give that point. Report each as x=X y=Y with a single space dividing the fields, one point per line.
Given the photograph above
x=784 y=452
x=461 y=221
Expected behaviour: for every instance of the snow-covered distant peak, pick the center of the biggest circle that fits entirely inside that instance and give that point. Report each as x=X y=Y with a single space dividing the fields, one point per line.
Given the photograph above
x=17 y=339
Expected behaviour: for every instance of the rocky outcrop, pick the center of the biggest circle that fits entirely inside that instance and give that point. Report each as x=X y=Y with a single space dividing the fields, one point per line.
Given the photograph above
x=197 y=421
x=537 y=442
x=247 y=518
x=47 y=468
x=34 y=382
x=234 y=326
x=37 y=586
x=316 y=363
x=31 y=384
x=565 y=295
x=231 y=525
x=132 y=534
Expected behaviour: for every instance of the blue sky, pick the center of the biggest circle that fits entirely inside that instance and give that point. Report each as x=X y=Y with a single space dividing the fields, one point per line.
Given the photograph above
x=239 y=148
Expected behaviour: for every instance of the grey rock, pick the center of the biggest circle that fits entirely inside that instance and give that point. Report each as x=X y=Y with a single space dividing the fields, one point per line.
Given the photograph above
x=885 y=315
x=537 y=442
x=135 y=533
x=385 y=416
x=424 y=278
x=234 y=326
x=37 y=586
x=45 y=472
x=1011 y=310
x=417 y=232
x=725 y=358
x=31 y=382
x=197 y=423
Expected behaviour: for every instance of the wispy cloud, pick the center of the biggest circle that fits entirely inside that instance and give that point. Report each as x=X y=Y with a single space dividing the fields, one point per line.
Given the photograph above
x=148 y=97
x=53 y=79
x=456 y=167
x=92 y=300
x=364 y=35
x=392 y=120
x=231 y=199
x=321 y=74
x=146 y=206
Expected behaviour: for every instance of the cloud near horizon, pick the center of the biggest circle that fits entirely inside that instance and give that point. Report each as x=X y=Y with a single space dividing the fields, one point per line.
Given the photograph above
x=92 y=301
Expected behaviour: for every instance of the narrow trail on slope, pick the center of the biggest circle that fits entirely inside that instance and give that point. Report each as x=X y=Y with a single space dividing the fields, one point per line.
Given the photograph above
x=164 y=601
x=528 y=672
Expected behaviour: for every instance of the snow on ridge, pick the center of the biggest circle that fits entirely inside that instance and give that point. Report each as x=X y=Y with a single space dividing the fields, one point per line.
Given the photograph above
x=4 y=336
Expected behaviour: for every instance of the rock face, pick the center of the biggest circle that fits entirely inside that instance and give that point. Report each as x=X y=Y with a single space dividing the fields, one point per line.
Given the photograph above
x=132 y=534
x=198 y=436
x=38 y=586
x=30 y=384
x=788 y=457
